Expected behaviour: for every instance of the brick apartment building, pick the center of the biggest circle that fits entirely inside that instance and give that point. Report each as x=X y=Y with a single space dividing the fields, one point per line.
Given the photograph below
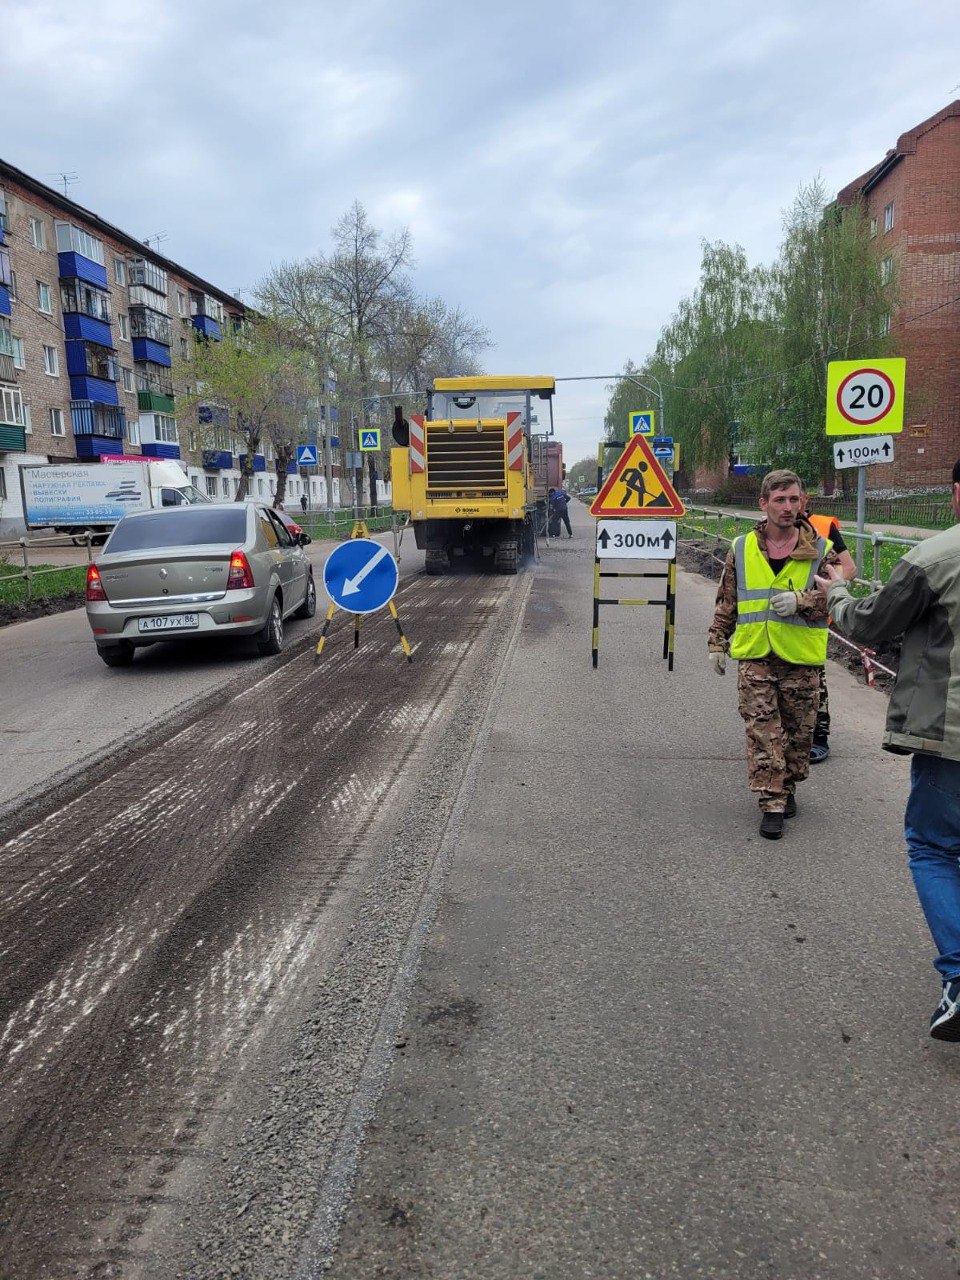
x=912 y=199
x=90 y=320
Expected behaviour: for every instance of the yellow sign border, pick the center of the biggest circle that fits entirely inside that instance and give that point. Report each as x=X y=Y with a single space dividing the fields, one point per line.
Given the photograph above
x=369 y=448
x=838 y=371
x=643 y=413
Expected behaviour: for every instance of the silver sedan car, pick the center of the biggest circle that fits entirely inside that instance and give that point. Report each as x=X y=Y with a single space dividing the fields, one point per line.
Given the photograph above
x=229 y=569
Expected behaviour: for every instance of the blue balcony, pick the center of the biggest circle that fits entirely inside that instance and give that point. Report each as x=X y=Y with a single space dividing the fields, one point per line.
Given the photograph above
x=97 y=446
x=217 y=459
x=214 y=414
x=147 y=349
x=75 y=265
x=259 y=462
x=87 y=329
x=91 y=418
x=209 y=328
x=4 y=300
x=155 y=449
x=96 y=389
x=292 y=468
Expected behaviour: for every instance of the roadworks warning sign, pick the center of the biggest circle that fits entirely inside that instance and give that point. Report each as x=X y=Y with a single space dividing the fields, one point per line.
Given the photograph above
x=637 y=486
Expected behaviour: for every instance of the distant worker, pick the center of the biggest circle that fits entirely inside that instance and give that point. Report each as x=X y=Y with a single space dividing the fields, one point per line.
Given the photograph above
x=921 y=601
x=559 y=501
x=768 y=603
x=827 y=527
x=303 y=503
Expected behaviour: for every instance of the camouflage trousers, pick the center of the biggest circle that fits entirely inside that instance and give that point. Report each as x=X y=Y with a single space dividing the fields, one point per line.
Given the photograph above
x=778 y=702
x=822 y=731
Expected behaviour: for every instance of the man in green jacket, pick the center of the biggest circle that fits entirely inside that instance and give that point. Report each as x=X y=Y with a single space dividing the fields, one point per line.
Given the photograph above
x=921 y=601
x=770 y=616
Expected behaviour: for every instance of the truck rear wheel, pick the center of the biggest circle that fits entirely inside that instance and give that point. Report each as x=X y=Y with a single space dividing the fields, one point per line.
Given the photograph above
x=506 y=557
x=437 y=561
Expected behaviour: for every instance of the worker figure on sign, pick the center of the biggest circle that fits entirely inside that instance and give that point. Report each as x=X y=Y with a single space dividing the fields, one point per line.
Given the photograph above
x=921 y=601
x=772 y=618
x=827 y=527
x=633 y=479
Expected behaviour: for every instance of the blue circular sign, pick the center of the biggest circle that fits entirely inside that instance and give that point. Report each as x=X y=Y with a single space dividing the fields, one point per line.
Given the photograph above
x=360 y=576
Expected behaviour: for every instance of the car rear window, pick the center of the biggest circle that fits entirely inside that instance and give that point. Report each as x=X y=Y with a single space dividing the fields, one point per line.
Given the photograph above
x=181 y=527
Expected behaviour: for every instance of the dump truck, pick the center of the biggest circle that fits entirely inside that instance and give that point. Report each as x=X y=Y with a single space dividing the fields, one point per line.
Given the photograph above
x=472 y=470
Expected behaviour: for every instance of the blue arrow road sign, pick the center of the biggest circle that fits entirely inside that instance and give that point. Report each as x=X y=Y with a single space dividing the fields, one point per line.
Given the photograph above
x=306 y=455
x=360 y=576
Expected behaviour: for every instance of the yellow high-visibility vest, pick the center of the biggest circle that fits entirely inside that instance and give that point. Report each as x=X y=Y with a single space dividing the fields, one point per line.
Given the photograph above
x=760 y=630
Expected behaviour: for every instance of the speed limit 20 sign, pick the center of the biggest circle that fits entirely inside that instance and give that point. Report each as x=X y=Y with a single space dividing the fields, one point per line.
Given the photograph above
x=865 y=396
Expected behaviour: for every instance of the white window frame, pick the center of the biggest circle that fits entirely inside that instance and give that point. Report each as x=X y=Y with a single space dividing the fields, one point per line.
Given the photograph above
x=886 y=269
x=19 y=360
x=260 y=486
x=127 y=376
x=889 y=217
x=11 y=405
x=14 y=297
x=133 y=431
x=57 y=427
x=225 y=486
x=210 y=483
x=43 y=292
x=885 y=324
x=165 y=429
x=123 y=326
x=181 y=303
x=38 y=233
x=27 y=420
x=119 y=271
x=51 y=361
x=873 y=227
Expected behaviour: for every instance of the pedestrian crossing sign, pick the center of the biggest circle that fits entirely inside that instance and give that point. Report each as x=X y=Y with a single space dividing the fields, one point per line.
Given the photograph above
x=642 y=423
x=637 y=486
x=370 y=440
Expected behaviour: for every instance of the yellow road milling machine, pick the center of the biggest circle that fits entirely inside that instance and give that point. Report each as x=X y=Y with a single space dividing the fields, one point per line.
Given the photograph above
x=472 y=470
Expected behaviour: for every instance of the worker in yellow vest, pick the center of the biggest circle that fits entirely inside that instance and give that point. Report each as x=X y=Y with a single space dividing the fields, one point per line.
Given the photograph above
x=827 y=527
x=770 y=616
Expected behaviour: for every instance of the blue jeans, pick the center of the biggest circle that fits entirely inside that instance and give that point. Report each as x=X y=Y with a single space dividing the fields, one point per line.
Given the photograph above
x=932 y=825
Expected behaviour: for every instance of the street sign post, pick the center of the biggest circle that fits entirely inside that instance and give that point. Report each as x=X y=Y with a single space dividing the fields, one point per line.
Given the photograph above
x=627 y=540
x=637 y=486
x=642 y=423
x=863 y=453
x=865 y=395
x=360 y=576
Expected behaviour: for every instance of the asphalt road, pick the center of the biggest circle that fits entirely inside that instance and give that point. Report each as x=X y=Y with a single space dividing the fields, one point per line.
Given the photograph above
x=62 y=708
x=475 y=968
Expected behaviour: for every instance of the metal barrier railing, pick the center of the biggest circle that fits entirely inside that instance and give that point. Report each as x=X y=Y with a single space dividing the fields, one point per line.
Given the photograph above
x=25 y=546
x=867 y=656
x=742 y=522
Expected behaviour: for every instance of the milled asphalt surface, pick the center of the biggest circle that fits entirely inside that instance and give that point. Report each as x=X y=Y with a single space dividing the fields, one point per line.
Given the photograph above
x=62 y=709
x=644 y=1042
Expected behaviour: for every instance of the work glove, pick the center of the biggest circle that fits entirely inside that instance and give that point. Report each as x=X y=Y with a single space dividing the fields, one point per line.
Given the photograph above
x=718 y=661
x=785 y=604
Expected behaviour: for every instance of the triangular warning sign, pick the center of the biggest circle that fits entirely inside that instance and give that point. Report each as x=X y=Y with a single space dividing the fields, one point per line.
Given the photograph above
x=637 y=486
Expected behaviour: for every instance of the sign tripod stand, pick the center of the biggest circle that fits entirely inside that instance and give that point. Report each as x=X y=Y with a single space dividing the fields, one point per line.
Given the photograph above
x=361 y=576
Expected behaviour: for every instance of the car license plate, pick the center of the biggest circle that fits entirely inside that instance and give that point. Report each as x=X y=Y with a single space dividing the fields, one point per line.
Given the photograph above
x=170 y=622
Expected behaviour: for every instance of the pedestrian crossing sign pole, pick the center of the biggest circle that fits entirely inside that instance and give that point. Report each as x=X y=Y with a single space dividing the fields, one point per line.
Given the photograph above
x=636 y=494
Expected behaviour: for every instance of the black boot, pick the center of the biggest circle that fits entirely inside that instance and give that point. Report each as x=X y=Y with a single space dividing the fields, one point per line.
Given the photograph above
x=771 y=826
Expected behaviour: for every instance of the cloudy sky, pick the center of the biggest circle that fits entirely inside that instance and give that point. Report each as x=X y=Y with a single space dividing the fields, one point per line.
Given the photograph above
x=558 y=164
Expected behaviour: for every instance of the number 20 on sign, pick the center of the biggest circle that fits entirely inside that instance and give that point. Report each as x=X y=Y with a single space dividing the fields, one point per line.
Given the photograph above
x=865 y=396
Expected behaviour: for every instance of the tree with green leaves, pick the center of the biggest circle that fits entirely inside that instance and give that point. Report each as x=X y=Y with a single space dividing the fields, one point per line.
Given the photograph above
x=254 y=384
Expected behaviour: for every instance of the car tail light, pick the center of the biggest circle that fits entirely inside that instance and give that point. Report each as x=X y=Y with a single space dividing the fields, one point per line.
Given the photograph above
x=95 y=589
x=240 y=577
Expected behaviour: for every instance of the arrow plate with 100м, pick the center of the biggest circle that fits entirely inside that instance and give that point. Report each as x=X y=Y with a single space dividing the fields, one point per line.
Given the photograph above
x=630 y=540
x=863 y=453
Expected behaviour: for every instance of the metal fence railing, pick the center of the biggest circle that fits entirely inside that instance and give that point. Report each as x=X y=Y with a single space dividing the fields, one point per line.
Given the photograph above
x=883 y=549
x=22 y=549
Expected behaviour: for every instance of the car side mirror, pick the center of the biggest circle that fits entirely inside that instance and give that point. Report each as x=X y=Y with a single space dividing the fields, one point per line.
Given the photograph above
x=304 y=539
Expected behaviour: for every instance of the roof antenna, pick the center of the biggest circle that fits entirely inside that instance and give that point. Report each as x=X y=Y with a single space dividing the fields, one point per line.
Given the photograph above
x=159 y=236
x=66 y=179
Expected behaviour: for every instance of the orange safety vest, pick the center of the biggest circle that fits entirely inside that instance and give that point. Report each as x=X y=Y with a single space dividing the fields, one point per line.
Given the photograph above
x=823 y=525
